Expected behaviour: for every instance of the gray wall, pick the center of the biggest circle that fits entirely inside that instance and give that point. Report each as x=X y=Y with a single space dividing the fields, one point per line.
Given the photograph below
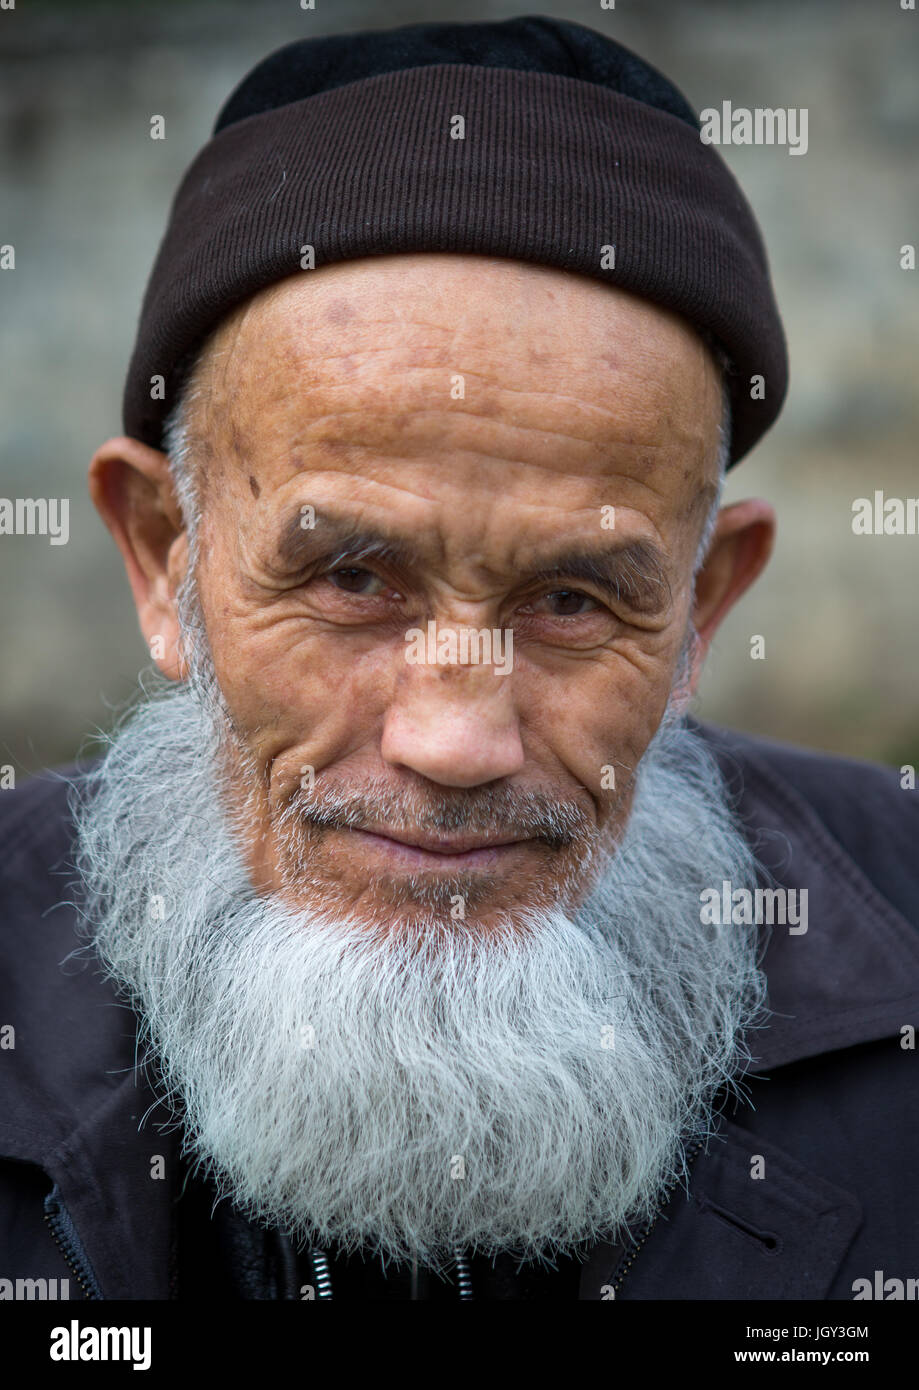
x=84 y=199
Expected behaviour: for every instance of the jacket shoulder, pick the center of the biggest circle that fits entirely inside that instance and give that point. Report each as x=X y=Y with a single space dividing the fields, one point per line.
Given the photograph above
x=868 y=808
x=36 y=839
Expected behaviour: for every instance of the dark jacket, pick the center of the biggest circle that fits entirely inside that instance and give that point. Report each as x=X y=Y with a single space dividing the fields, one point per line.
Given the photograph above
x=831 y=1120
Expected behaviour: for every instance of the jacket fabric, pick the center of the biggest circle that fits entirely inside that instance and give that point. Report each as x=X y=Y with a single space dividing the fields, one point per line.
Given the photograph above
x=806 y=1191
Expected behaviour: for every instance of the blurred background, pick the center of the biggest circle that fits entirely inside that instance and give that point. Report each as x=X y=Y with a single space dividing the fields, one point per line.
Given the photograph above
x=84 y=195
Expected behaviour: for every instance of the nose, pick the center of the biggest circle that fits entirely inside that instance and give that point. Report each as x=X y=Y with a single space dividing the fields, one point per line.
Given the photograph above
x=456 y=725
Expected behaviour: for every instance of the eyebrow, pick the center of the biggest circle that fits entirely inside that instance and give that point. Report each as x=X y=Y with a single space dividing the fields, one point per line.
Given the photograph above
x=630 y=571
x=634 y=571
x=334 y=540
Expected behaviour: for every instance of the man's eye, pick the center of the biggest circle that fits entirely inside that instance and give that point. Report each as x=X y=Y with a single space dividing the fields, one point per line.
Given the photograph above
x=356 y=581
x=567 y=603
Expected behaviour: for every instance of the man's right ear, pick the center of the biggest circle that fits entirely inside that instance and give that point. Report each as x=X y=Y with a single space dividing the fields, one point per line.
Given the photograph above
x=132 y=491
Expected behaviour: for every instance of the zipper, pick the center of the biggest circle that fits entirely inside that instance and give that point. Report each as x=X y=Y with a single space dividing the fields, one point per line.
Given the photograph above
x=321 y=1270
x=323 y=1275
x=628 y=1259
x=463 y=1274
x=64 y=1233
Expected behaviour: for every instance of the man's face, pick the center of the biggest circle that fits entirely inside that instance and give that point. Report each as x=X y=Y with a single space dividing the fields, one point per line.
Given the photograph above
x=536 y=453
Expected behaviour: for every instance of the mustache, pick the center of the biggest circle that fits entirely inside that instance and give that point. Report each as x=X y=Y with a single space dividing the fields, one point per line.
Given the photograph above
x=526 y=815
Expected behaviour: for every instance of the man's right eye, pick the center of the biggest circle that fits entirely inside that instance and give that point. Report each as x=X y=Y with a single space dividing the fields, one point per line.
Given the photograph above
x=354 y=580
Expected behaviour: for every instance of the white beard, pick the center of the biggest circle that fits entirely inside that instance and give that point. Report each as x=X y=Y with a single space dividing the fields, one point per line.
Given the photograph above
x=409 y=1096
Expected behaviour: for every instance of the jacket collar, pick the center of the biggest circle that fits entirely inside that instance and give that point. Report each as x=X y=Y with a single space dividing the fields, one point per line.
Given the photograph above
x=852 y=976
x=75 y=1104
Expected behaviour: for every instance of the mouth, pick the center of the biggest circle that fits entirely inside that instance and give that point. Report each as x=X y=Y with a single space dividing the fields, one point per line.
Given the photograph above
x=418 y=850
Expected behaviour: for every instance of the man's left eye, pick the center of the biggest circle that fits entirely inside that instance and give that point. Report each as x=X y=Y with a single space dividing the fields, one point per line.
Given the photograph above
x=567 y=603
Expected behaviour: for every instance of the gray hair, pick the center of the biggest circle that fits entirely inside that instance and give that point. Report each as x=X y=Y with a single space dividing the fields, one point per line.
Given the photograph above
x=422 y=1030
x=725 y=368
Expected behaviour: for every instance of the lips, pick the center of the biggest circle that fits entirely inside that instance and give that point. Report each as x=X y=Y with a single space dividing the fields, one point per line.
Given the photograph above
x=458 y=844
x=471 y=848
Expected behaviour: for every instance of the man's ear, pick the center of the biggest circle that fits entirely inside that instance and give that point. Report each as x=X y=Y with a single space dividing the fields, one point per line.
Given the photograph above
x=130 y=485
x=740 y=548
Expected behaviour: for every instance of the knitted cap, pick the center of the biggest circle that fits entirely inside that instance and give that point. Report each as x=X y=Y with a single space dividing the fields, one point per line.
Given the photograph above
x=571 y=152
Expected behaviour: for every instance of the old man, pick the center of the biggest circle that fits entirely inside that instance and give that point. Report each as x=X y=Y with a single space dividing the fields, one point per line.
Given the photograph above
x=457 y=959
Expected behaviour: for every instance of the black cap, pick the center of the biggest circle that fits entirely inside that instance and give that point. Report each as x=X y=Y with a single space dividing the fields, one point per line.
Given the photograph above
x=576 y=153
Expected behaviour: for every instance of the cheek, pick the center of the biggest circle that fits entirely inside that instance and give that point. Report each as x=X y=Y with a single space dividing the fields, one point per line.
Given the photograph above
x=311 y=695
x=598 y=718
x=303 y=697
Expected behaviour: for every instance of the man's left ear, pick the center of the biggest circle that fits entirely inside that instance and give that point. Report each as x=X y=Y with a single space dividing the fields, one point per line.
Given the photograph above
x=132 y=490
x=740 y=548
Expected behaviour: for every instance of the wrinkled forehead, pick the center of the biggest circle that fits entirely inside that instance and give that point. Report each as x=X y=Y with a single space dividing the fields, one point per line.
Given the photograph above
x=433 y=353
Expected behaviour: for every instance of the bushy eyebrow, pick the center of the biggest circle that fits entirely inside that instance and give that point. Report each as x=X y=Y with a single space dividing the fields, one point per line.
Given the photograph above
x=333 y=540
x=634 y=572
